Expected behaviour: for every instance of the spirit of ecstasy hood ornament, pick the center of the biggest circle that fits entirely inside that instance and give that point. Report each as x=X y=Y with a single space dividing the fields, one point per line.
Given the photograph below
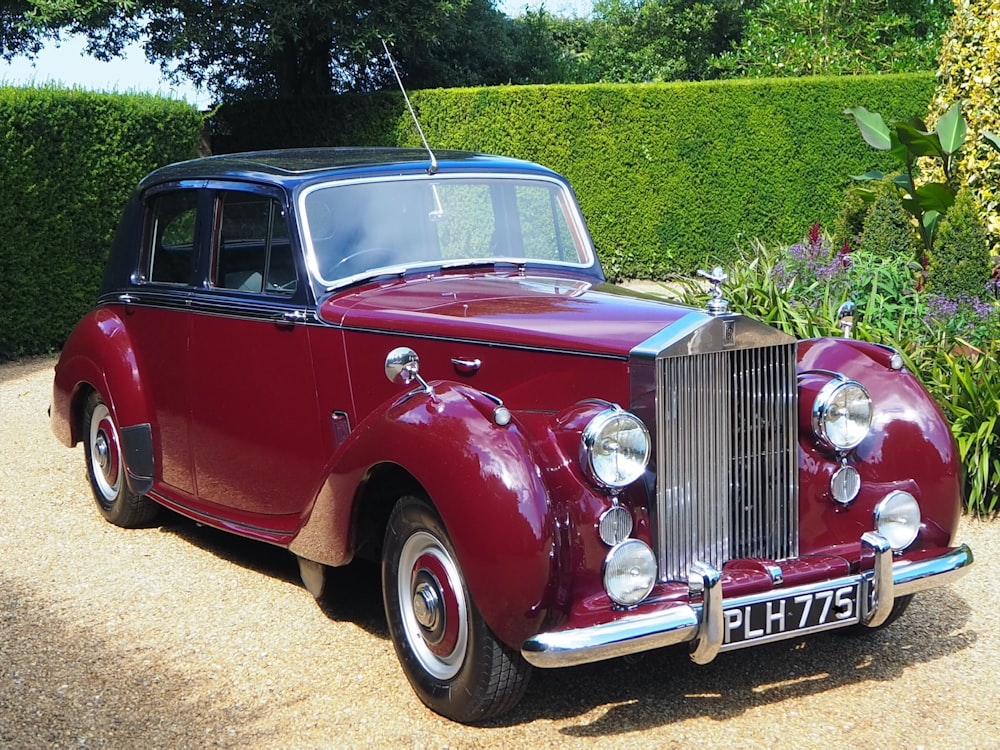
x=718 y=277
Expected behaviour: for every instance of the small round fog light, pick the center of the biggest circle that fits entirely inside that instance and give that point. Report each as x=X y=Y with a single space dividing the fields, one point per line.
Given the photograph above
x=629 y=572
x=897 y=518
x=615 y=525
x=845 y=485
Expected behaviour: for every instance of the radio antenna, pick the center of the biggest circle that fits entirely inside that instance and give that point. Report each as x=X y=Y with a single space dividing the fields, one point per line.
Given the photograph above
x=433 y=168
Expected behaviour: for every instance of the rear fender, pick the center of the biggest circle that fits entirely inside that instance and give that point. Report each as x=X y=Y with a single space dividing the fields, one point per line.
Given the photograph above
x=99 y=356
x=484 y=482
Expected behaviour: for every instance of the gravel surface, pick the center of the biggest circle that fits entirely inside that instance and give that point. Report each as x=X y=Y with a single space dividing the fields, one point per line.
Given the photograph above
x=180 y=636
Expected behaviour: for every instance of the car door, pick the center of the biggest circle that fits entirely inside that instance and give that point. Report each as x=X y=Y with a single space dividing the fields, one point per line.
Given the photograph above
x=255 y=427
x=156 y=316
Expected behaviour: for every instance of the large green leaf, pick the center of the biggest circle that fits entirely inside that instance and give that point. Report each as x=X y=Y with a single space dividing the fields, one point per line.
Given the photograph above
x=868 y=176
x=936 y=196
x=951 y=129
x=993 y=140
x=917 y=141
x=903 y=181
x=931 y=221
x=872 y=126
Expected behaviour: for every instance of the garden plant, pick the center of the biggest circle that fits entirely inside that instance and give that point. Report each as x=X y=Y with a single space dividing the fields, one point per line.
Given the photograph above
x=951 y=344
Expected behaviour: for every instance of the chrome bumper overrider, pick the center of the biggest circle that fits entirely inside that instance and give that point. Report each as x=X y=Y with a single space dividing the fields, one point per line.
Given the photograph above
x=702 y=623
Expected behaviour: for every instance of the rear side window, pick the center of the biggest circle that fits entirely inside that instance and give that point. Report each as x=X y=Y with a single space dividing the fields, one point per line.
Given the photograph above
x=254 y=252
x=173 y=237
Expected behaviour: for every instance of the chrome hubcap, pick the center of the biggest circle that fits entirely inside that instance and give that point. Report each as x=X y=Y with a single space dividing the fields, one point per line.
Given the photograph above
x=105 y=457
x=101 y=452
x=427 y=605
x=434 y=606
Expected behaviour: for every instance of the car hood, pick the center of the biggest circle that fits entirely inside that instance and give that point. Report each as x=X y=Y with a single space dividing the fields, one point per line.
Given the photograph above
x=516 y=310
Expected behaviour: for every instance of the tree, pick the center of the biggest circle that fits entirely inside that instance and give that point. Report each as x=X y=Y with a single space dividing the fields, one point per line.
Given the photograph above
x=658 y=40
x=837 y=37
x=252 y=47
x=18 y=35
x=480 y=46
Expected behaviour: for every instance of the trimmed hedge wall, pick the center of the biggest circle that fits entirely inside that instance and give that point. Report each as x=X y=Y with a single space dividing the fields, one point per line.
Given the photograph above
x=68 y=162
x=670 y=176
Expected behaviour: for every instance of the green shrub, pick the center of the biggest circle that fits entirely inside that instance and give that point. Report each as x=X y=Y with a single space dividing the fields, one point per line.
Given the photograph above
x=850 y=221
x=68 y=162
x=668 y=175
x=888 y=231
x=950 y=345
x=967 y=385
x=960 y=263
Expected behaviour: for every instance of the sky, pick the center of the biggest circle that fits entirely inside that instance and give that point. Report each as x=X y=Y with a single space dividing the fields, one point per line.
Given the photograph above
x=67 y=64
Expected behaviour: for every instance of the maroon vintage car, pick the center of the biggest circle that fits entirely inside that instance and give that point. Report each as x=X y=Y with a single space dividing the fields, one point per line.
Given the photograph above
x=353 y=353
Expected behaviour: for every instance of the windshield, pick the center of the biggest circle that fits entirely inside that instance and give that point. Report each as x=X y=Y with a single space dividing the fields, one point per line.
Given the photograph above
x=356 y=228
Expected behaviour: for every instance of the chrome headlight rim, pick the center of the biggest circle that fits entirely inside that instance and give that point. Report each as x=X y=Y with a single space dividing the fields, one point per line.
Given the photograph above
x=822 y=408
x=898 y=519
x=592 y=438
x=639 y=577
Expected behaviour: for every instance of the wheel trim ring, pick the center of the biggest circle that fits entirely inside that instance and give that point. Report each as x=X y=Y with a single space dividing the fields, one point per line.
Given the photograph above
x=423 y=552
x=105 y=453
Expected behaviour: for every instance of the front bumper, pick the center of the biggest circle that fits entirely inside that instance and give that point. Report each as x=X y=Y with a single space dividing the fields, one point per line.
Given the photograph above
x=702 y=622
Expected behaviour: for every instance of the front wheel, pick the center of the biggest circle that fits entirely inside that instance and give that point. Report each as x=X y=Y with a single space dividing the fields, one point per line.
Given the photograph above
x=898 y=608
x=106 y=469
x=455 y=664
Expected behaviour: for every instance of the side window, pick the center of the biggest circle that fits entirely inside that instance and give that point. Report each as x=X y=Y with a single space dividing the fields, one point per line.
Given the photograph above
x=254 y=252
x=173 y=235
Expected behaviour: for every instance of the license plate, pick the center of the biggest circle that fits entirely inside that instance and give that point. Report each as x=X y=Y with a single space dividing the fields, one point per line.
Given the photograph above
x=756 y=622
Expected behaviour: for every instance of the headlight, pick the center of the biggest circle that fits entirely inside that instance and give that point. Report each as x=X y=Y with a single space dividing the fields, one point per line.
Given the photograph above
x=629 y=572
x=897 y=518
x=615 y=448
x=842 y=414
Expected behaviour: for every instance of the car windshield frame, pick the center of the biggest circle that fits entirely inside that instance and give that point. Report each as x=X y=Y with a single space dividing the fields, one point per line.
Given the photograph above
x=579 y=239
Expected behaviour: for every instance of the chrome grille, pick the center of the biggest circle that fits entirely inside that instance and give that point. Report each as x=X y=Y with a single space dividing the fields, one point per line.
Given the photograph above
x=726 y=458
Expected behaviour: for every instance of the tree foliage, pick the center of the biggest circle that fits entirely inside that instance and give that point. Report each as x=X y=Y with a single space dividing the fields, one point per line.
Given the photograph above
x=635 y=41
x=837 y=37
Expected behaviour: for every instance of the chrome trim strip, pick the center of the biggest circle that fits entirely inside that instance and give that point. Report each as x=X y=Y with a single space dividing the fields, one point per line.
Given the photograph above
x=477 y=342
x=637 y=632
x=678 y=331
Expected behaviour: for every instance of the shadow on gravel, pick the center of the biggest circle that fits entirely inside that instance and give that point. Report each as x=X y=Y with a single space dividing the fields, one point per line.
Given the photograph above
x=354 y=591
x=666 y=687
x=65 y=685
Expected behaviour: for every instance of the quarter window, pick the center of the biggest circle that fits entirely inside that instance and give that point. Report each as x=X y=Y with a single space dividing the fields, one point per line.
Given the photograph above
x=173 y=237
x=254 y=250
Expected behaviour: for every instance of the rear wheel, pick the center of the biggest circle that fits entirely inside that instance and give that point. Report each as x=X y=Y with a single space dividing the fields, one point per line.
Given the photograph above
x=106 y=469
x=455 y=664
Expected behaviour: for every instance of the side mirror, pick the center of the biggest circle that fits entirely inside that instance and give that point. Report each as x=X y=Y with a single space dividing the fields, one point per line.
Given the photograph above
x=402 y=365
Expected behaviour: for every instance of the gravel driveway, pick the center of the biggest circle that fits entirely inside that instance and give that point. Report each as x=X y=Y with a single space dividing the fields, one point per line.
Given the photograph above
x=180 y=636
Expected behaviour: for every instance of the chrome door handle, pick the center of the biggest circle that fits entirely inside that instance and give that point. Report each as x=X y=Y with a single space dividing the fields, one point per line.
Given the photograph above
x=293 y=316
x=127 y=299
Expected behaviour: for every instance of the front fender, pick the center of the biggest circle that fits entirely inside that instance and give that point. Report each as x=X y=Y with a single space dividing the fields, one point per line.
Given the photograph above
x=484 y=482
x=910 y=447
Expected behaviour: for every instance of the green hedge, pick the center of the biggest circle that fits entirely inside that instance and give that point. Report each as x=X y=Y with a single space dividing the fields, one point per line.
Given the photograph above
x=68 y=162
x=670 y=176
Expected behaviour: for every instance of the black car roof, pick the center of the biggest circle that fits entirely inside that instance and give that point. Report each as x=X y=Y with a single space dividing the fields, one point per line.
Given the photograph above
x=289 y=166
